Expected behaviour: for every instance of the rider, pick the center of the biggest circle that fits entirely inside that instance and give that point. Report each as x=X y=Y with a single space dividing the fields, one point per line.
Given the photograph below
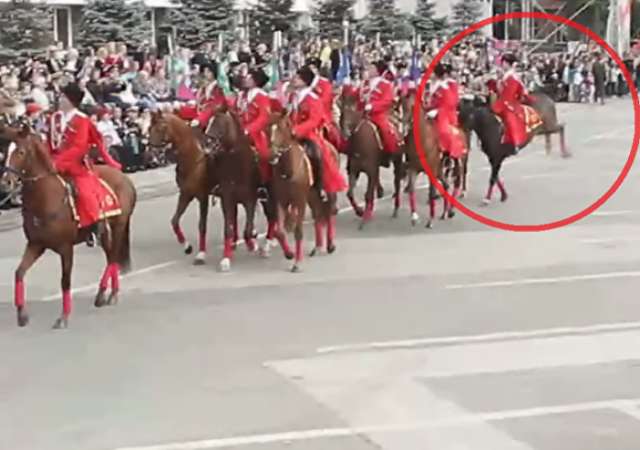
x=254 y=106
x=377 y=100
x=512 y=93
x=210 y=96
x=443 y=105
x=323 y=88
x=70 y=159
x=308 y=119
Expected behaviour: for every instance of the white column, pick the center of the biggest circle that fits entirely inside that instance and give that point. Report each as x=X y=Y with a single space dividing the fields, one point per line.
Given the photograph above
x=69 y=27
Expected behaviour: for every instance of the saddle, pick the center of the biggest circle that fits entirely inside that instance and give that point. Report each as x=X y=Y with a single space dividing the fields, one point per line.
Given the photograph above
x=109 y=203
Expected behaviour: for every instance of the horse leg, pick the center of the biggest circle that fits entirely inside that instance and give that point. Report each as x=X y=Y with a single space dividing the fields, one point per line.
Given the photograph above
x=331 y=233
x=369 y=199
x=318 y=224
x=397 y=180
x=432 y=204
x=465 y=173
x=495 y=169
x=353 y=180
x=412 y=197
x=282 y=237
x=249 y=226
x=183 y=202
x=547 y=144
x=563 y=144
x=66 y=257
x=298 y=234
x=457 y=184
x=202 y=231
x=445 y=201
x=230 y=211
x=31 y=254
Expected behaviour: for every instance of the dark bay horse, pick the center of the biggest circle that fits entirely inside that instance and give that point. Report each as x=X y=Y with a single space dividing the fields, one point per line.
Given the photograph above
x=236 y=168
x=293 y=185
x=364 y=156
x=476 y=116
x=194 y=175
x=49 y=223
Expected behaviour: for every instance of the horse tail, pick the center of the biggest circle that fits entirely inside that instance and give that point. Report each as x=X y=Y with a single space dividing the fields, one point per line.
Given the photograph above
x=124 y=254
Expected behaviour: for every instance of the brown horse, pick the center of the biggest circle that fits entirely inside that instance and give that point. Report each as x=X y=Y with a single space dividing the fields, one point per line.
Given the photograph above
x=194 y=174
x=447 y=170
x=236 y=168
x=49 y=223
x=292 y=184
x=364 y=156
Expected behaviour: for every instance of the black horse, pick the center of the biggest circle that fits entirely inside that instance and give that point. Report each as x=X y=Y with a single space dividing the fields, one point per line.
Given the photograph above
x=476 y=115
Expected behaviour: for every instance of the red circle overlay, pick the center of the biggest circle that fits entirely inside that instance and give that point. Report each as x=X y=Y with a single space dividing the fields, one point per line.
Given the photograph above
x=560 y=223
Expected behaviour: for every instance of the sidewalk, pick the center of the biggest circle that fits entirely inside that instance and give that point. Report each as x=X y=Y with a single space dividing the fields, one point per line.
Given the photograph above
x=149 y=184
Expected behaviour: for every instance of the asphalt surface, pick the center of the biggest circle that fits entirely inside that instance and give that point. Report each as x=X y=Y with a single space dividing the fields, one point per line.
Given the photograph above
x=460 y=337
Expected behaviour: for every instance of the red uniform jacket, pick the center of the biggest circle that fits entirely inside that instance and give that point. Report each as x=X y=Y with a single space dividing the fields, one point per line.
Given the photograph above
x=445 y=100
x=255 y=108
x=308 y=119
x=324 y=91
x=379 y=94
x=210 y=97
x=509 y=108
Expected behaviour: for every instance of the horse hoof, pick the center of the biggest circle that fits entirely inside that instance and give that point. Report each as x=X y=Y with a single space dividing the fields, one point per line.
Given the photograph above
x=463 y=194
x=113 y=299
x=314 y=252
x=362 y=225
x=61 y=323
x=414 y=219
x=289 y=256
x=485 y=202
x=188 y=249
x=359 y=212
x=23 y=318
x=225 y=265
x=100 y=300
x=451 y=214
x=265 y=250
x=200 y=257
x=395 y=214
x=443 y=216
x=429 y=225
x=251 y=246
x=380 y=192
x=567 y=155
x=504 y=198
x=295 y=268
x=331 y=248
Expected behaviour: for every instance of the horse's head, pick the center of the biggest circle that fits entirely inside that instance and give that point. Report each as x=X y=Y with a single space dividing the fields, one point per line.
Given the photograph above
x=281 y=135
x=26 y=158
x=349 y=114
x=469 y=105
x=222 y=132
x=160 y=138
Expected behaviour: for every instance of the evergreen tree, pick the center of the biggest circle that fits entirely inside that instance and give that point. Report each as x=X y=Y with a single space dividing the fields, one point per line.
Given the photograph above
x=465 y=13
x=424 y=20
x=383 y=18
x=199 y=21
x=26 y=27
x=272 y=15
x=113 y=20
x=329 y=15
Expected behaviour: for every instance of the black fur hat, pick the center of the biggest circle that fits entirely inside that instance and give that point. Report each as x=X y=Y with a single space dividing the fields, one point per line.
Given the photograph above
x=510 y=58
x=259 y=77
x=306 y=74
x=74 y=93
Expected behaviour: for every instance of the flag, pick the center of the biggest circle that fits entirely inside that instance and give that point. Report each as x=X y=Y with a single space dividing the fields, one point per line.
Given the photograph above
x=344 y=70
x=274 y=76
x=414 y=72
x=223 y=79
x=619 y=25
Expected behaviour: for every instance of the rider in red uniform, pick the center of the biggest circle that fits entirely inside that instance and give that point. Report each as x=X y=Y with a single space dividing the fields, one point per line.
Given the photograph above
x=323 y=88
x=254 y=106
x=308 y=120
x=376 y=99
x=70 y=159
x=508 y=106
x=443 y=104
x=210 y=97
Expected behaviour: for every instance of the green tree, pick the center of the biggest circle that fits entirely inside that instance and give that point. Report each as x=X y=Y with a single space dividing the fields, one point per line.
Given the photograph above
x=465 y=13
x=26 y=27
x=272 y=15
x=329 y=15
x=383 y=18
x=199 y=21
x=424 y=20
x=114 y=20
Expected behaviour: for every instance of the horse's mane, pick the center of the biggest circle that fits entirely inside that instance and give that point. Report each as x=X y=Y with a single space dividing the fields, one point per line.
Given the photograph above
x=42 y=152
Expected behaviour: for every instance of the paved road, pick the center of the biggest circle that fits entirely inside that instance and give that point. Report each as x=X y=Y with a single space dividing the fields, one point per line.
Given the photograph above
x=461 y=337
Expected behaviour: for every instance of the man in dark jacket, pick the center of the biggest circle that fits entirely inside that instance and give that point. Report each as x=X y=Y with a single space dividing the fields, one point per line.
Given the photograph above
x=599 y=77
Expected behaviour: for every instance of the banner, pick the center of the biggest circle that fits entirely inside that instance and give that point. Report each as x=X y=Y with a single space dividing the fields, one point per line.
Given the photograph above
x=619 y=26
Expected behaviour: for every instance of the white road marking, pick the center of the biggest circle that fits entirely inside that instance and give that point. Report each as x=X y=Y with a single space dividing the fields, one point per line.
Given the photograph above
x=609 y=240
x=323 y=433
x=551 y=280
x=625 y=212
x=630 y=410
x=449 y=340
x=94 y=286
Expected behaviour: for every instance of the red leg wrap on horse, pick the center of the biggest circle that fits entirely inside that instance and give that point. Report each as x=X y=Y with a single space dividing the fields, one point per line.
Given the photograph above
x=203 y=241
x=19 y=293
x=228 y=248
x=236 y=236
x=179 y=234
x=396 y=200
x=331 y=230
x=501 y=187
x=106 y=275
x=368 y=213
x=271 y=230
x=282 y=239
x=412 y=201
x=66 y=303
x=490 y=192
x=115 y=277
x=432 y=207
x=250 y=243
x=319 y=237
x=299 y=251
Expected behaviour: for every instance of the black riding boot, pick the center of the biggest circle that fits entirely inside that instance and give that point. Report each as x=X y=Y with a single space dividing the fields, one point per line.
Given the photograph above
x=313 y=152
x=93 y=232
x=385 y=159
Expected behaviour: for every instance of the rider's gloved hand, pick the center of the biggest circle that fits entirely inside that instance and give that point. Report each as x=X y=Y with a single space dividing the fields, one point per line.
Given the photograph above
x=368 y=108
x=195 y=123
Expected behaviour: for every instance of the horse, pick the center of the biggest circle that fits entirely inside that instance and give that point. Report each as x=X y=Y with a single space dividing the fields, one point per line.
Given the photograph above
x=364 y=156
x=236 y=168
x=442 y=167
x=49 y=222
x=293 y=179
x=476 y=116
x=194 y=175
